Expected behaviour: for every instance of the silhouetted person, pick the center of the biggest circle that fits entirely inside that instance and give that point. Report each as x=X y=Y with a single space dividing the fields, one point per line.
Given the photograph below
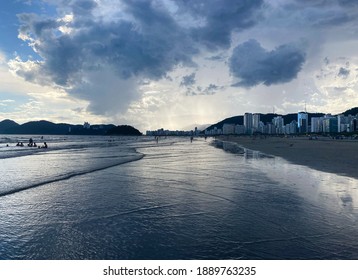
x=45 y=145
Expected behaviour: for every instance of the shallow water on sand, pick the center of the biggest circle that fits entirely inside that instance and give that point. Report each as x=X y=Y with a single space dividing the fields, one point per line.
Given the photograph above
x=181 y=200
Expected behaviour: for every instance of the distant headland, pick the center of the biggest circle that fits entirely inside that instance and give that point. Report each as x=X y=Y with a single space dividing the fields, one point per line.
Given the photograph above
x=46 y=127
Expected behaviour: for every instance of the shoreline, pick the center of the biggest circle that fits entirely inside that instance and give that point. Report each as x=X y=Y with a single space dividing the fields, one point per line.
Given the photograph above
x=324 y=154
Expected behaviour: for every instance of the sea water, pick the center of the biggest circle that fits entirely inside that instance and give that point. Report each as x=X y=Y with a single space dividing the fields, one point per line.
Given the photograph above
x=132 y=198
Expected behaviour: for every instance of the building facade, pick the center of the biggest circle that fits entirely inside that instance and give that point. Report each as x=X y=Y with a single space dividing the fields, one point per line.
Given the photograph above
x=302 y=122
x=248 y=123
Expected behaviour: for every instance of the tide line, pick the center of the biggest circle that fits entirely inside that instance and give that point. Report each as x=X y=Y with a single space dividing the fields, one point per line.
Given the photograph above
x=68 y=176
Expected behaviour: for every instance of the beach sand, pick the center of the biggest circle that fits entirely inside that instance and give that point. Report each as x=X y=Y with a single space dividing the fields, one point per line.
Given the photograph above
x=324 y=154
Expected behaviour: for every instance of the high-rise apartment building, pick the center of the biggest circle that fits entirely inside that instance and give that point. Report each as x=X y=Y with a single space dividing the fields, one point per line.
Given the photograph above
x=239 y=129
x=316 y=124
x=278 y=122
x=256 y=121
x=228 y=128
x=248 y=123
x=302 y=122
x=330 y=125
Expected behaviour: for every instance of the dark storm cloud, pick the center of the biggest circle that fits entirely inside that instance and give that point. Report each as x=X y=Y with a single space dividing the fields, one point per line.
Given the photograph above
x=348 y=2
x=143 y=39
x=188 y=80
x=343 y=72
x=150 y=44
x=322 y=3
x=220 y=18
x=151 y=47
x=36 y=26
x=253 y=65
x=209 y=90
x=322 y=13
x=83 y=7
x=219 y=57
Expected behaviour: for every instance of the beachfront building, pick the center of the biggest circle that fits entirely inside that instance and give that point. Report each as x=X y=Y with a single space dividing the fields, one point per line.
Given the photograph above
x=316 y=124
x=344 y=128
x=228 y=128
x=248 y=123
x=214 y=131
x=291 y=128
x=239 y=129
x=302 y=122
x=352 y=122
x=269 y=129
x=354 y=125
x=330 y=124
x=347 y=123
x=326 y=124
x=341 y=122
x=261 y=127
x=278 y=122
x=255 y=122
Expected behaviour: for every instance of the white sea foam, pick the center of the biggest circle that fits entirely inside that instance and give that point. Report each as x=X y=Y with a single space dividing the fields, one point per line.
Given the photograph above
x=28 y=167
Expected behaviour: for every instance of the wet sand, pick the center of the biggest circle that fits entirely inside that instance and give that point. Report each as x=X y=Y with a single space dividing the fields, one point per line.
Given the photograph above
x=324 y=154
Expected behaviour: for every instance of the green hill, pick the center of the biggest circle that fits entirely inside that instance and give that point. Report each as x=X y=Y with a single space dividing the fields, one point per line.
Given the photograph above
x=353 y=112
x=6 y=125
x=124 y=130
x=46 y=127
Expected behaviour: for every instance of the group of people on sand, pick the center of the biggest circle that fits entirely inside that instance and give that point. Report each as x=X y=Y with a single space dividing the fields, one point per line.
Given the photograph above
x=191 y=139
x=31 y=144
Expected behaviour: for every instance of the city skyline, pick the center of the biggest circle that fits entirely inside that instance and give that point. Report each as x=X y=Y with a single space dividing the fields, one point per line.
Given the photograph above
x=304 y=124
x=173 y=64
x=251 y=122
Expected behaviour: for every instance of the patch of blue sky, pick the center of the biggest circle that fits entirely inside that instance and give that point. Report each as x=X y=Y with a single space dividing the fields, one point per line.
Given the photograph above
x=10 y=44
x=10 y=101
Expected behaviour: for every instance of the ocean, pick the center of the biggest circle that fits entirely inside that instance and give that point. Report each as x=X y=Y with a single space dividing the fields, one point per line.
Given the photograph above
x=132 y=198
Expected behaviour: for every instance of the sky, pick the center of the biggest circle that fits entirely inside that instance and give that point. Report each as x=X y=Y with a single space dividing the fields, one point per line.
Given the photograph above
x=175 y=64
